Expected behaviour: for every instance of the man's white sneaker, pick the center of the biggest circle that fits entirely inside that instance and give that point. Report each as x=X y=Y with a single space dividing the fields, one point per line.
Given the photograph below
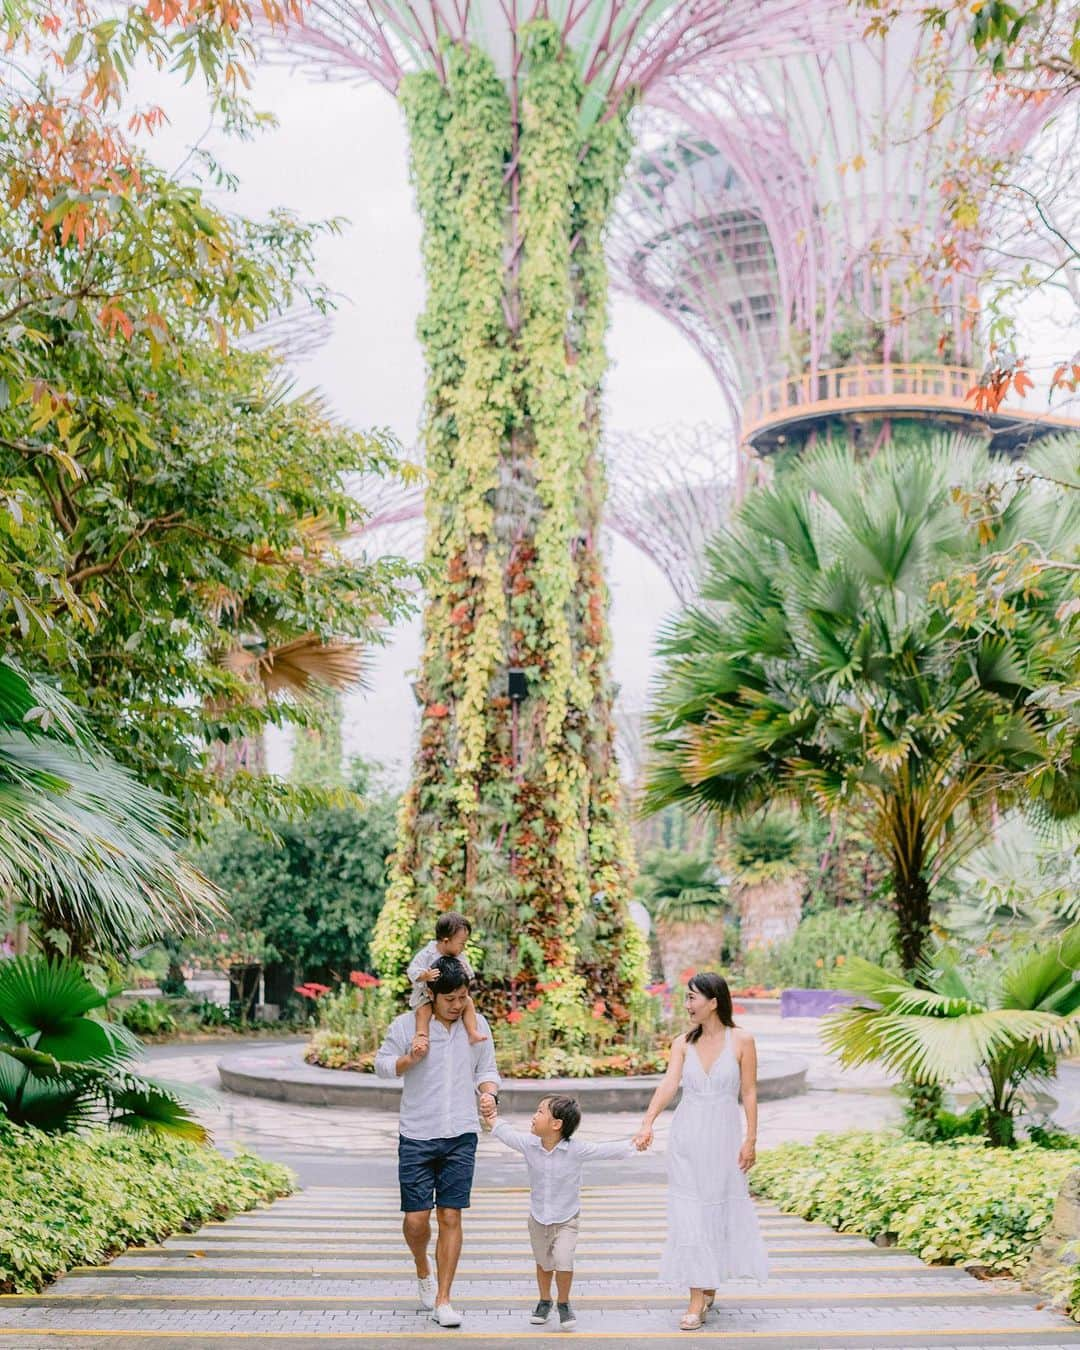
x=425 y=1291
x=446 y=1316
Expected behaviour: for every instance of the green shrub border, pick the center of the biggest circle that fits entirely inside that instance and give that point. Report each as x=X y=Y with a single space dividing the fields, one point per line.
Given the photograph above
x=74 y=1200
x=954 y=1203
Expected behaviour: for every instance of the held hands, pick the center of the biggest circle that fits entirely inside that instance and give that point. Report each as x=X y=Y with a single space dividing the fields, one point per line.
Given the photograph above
x=488 y=1111
x=747 y=1155
x=643 y=1139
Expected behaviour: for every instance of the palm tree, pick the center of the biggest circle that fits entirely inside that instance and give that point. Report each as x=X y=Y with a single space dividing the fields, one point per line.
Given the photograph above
x=89 y=853
x=686 y=898
x=1002 y=1027
x=824 y=666
x=61 y=1068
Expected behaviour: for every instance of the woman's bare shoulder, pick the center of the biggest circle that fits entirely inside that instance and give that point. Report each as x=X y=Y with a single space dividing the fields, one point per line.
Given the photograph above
x=742 y=1038
x=679 y=1043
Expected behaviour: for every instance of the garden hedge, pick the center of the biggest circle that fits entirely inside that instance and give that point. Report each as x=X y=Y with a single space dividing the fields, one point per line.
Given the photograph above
x=958 y=1203
x=77 y=1199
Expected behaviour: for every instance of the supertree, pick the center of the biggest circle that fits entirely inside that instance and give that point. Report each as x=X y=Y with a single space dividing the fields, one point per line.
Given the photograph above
x=669 y=491
x=517 y=119
x=782 y=218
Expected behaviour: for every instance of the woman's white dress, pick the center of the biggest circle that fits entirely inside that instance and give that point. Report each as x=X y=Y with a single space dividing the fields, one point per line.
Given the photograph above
x=713 y=1233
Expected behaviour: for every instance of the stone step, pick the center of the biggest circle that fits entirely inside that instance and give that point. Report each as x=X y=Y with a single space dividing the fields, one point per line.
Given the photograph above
x=807 y=1325
x=278 y=1299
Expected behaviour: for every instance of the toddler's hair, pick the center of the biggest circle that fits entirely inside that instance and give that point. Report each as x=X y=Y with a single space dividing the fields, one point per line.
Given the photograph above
x=451 y=976
x=567 y=1110
x=450 y=924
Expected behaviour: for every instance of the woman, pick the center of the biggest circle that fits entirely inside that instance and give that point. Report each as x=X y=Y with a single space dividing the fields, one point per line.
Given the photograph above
x=713 y=1232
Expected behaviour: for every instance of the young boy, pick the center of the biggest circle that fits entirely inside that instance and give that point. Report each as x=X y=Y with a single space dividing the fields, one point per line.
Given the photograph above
x=555 y=1160
x=451 y=934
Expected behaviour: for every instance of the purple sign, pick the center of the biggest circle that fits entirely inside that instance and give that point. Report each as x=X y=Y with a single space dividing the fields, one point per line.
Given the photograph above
x=812 y=1002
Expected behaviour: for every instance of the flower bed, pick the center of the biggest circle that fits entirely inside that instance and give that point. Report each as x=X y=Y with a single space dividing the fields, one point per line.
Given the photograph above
x=354 y=1018
x=957 y=1203
x=69 y=1200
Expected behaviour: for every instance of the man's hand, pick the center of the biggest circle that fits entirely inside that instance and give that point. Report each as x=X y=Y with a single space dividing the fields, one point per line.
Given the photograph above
x=488 y=1108
x=418 y=1051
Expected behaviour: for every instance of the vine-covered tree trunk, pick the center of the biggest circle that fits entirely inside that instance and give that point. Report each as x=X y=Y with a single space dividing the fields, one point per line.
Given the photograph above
x=514 y=201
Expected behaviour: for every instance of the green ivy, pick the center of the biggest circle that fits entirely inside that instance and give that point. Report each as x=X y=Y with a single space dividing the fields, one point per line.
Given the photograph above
x=514 y=192
x=954 y=1203
x=70 y=1200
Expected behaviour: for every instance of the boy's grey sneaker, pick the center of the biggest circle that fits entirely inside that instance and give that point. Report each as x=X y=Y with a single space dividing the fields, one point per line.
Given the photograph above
x=567 y=1320
x=541 y=1312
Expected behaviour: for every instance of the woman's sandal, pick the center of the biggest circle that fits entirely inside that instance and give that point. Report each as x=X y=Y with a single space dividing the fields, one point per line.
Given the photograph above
x=692 y=1321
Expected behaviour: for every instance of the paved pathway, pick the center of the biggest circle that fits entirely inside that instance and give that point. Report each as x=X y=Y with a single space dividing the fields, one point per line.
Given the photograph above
x=328 y=1267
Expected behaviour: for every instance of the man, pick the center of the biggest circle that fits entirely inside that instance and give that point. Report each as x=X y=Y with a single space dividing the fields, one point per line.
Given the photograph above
x=437 y=1127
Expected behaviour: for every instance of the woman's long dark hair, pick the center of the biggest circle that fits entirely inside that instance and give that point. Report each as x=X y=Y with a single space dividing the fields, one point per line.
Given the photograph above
x=712 y=986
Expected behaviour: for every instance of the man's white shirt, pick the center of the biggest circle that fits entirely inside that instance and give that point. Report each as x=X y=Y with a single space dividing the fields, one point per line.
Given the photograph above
x=438 y=1095
x=555 y=1175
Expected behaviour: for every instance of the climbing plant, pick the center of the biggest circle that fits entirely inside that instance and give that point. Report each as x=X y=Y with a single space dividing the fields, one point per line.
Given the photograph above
x=514 y=192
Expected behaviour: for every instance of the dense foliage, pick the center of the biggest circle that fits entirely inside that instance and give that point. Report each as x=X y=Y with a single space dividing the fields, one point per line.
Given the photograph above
x=171 y=513
x=71 y=1200
x=825 y=667
x=959 y=1204
x=816 y=954
x=89 y=853
x=513 y=204
x=310 y=897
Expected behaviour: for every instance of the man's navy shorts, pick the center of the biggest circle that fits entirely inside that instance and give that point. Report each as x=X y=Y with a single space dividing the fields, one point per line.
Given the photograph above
x=436 y=1171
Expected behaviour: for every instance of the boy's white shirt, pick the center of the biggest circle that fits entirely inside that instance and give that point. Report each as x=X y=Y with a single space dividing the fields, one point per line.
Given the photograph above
x=555 y=1174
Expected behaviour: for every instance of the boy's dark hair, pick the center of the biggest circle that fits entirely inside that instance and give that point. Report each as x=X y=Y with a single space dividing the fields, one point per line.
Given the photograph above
x=567 y=1110
x=451 y=976
x=449 y=924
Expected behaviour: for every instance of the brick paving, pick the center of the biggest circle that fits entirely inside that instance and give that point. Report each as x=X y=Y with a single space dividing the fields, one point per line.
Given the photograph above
x=328 y=1267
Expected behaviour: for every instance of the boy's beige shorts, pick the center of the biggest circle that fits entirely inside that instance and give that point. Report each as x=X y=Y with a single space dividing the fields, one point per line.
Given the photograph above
x=553 y=1244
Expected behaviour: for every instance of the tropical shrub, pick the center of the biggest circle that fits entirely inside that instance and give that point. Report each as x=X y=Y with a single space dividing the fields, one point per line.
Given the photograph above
x=89 y=852
x=73 y=1200
x=823 y=665
x=958 y=1203
x=60 y=1067
x=1002 y=1025
x=310 y=898
x=148 y=1017
x=817 y=953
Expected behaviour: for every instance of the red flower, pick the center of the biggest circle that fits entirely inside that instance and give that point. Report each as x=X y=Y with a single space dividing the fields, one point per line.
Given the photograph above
x=547 y=988
x=534 y=1003
x=312 y=990
x=599 y=1008
x=656 y=989
x=515 y=1016
x=687 y=974
x=437 y=710
x=362 y=979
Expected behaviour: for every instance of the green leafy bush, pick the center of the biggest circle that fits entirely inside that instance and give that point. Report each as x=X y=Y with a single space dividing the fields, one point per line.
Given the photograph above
x=955 y=1203
x=310 y=901
x=70 y=1200
x=815 y=954
x=148 y=1017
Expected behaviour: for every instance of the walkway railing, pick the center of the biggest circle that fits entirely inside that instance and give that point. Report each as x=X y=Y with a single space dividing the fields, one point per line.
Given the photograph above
x=864 y=388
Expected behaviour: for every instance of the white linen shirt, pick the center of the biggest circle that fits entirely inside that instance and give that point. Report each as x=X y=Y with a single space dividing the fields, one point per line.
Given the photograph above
x=555 y=1175
x=438 y=1095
